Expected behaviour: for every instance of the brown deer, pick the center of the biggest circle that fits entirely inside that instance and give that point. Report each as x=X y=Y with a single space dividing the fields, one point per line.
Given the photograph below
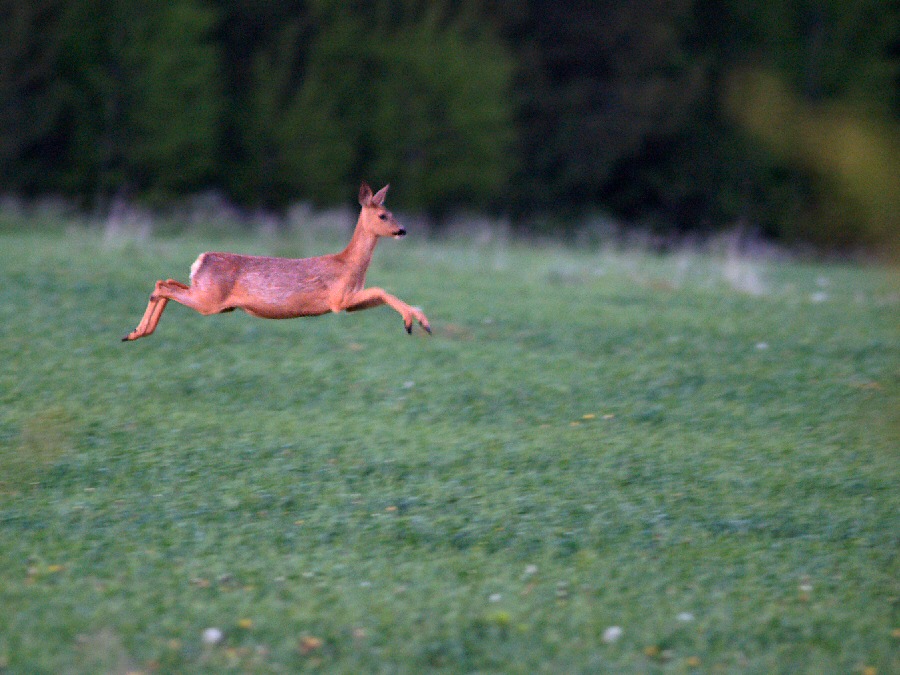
x=286 y=288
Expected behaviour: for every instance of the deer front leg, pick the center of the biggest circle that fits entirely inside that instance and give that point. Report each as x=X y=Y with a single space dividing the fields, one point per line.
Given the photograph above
x=373 y=297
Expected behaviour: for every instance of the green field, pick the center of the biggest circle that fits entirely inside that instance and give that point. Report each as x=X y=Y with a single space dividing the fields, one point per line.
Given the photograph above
x=698 y=451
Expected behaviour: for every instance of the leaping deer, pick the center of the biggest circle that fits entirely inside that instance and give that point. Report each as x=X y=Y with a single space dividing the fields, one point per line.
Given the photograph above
x=286 y=288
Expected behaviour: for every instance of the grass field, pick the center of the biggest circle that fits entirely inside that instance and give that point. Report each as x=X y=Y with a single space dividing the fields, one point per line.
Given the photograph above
x=601 y=462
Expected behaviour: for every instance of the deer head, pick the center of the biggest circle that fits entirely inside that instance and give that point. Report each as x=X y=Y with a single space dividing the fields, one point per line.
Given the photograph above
x=374 y=217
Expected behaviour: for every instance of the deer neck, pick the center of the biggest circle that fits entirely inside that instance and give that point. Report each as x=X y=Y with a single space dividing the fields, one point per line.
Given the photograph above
x=358 y=253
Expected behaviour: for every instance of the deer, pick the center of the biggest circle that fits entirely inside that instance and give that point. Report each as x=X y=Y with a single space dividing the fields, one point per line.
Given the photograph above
x=287 y=288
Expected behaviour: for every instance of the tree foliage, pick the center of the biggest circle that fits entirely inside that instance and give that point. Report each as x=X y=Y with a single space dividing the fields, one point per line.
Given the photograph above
x=686 y=114
x=31 y=93
x=143 y=106
x=604 y=79
x=412 y=97
x=813 y=87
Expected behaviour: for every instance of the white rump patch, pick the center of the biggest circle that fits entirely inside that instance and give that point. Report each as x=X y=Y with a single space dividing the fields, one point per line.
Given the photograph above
x=196 y=266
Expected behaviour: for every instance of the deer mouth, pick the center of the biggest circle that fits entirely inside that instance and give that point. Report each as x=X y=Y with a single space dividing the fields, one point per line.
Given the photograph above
x=399 y=234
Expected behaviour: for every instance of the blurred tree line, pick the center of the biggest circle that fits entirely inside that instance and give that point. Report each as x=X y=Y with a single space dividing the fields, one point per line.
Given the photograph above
x=693 y=115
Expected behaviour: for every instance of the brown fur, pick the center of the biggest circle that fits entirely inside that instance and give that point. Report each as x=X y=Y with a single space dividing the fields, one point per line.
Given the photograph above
x=286 y=288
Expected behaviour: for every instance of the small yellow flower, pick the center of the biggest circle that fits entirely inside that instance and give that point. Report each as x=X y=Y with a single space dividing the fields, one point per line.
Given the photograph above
x=245 y=623
x=693 y=661
x=589 y=416
x=651 y=651
x=499 y=618
x=53 y=569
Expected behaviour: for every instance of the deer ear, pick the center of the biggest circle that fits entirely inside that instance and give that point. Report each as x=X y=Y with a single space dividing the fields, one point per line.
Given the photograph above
x=378 y=199
x=365 y=194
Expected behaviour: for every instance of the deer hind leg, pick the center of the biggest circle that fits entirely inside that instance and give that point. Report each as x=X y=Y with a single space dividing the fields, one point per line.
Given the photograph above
x=170 y=289
x=374 y=297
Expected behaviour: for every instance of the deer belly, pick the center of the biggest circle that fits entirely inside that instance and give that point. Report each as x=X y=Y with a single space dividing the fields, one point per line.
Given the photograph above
x=286 y=310
x=282 y=297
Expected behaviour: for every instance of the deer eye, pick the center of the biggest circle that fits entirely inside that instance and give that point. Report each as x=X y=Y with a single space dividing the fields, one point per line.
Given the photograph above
x=383 y=216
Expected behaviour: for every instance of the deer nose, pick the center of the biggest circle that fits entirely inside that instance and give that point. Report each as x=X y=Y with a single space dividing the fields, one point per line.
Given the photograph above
x=400 y=233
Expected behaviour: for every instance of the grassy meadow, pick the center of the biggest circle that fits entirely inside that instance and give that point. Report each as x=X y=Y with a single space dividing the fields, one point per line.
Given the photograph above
x=601 y=461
